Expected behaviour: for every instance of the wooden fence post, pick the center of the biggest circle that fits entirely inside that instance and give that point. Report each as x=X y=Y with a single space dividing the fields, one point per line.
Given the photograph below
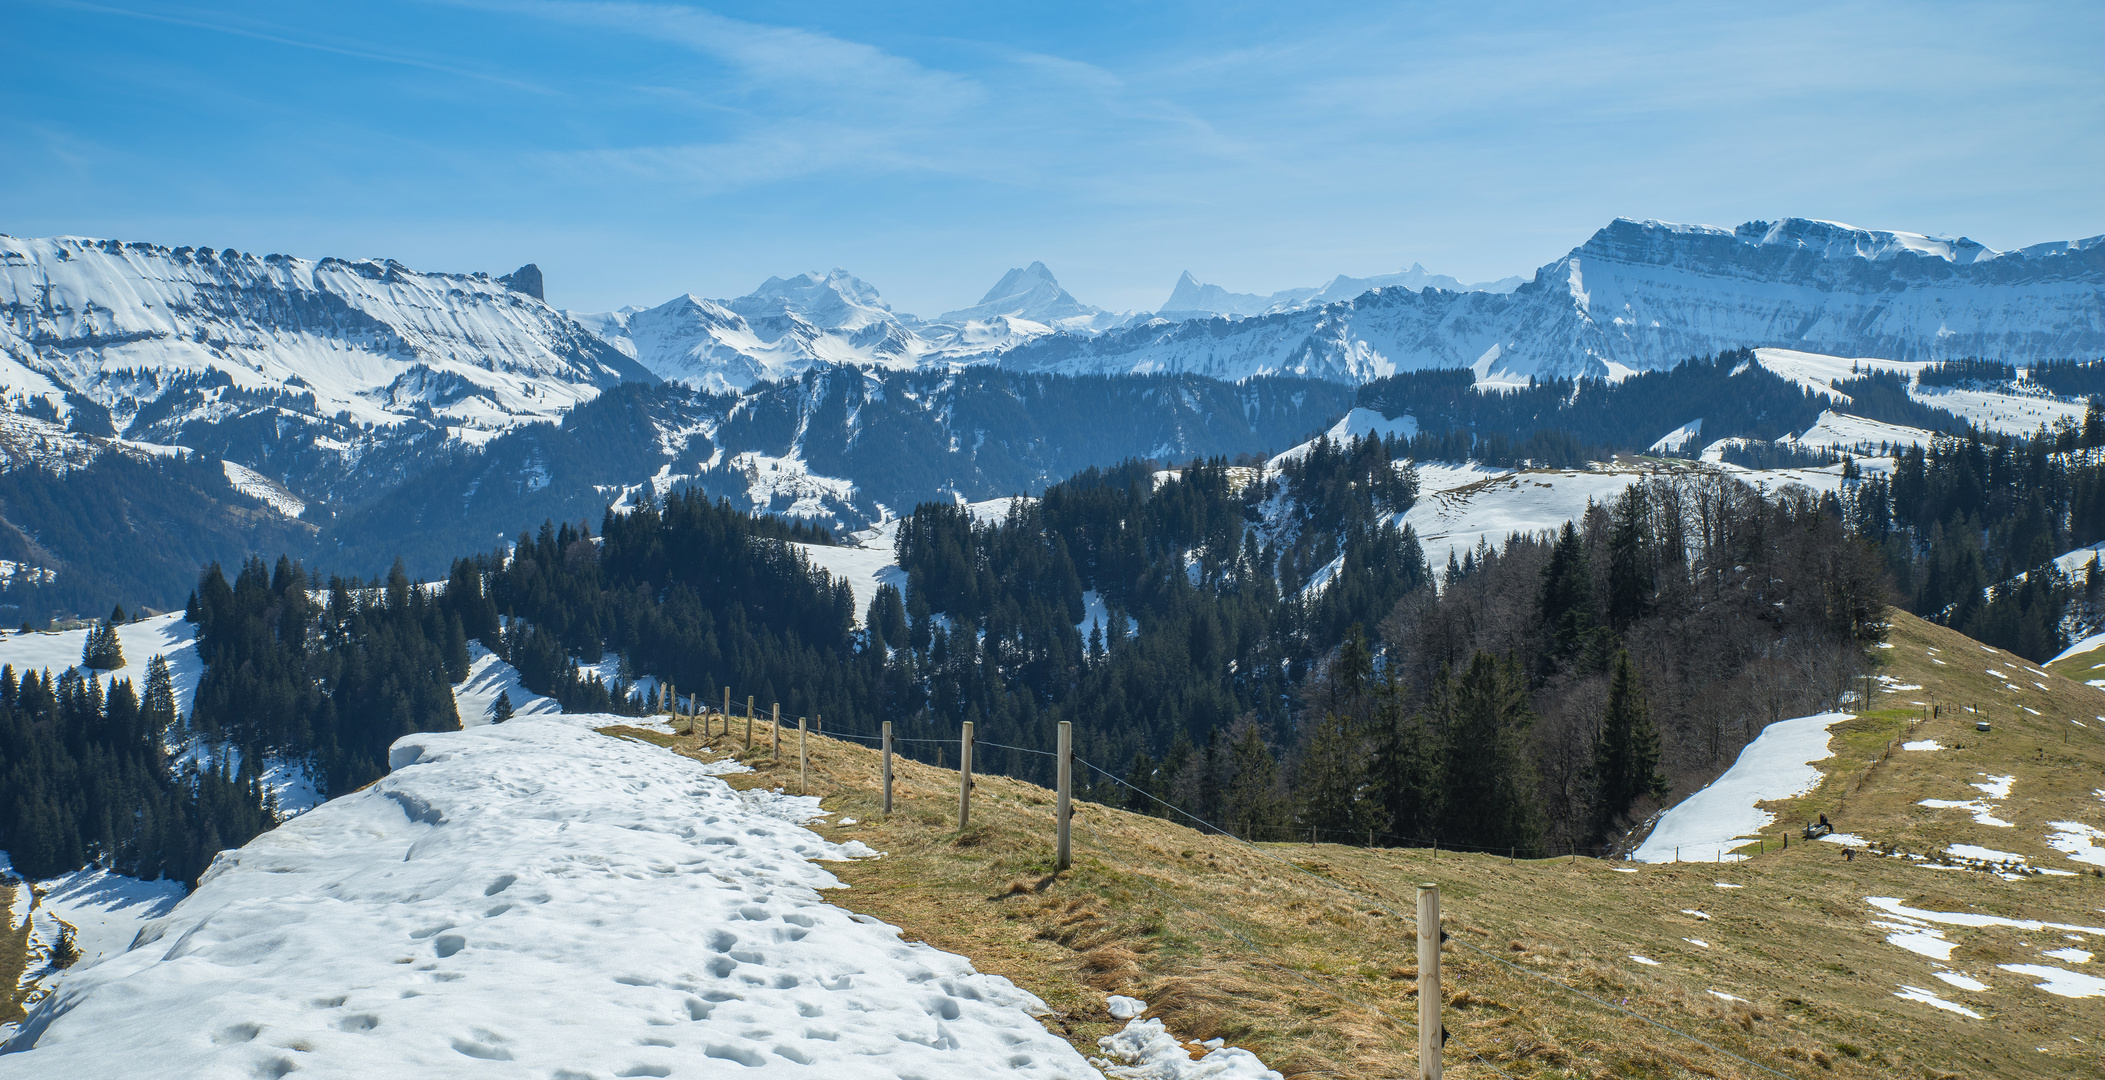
x=964 y=778
x=749 y=722
x=1065 y=809
x=888 y=768
x=777 y=723
x=803 y=762
x=1430 y=1033
x=727 y=712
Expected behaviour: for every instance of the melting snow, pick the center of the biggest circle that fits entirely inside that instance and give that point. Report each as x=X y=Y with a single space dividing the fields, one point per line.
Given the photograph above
x=1646 y=960
x=1918 y=939
x=1963 y=982
x=2078 y=841
x=1776 y=765
x=1145 y=1050
x=1922 y=744
x=2073 y=956
x=1893 y=906
x=1916 y=993
x=2059 y=981
x=1983 y=810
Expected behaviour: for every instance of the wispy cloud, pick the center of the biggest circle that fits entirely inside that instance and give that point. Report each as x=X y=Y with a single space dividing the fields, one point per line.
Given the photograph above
x=222 y=23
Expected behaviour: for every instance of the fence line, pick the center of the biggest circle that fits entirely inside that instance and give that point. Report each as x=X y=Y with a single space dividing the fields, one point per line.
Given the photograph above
x=1378 y=900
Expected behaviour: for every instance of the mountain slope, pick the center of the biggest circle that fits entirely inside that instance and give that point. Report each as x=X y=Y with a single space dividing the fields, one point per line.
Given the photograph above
x=1642 y=295
x=120 y=324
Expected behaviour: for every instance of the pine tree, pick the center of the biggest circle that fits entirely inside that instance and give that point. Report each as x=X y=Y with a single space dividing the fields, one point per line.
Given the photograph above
x=502 y=709
x=1626 y=757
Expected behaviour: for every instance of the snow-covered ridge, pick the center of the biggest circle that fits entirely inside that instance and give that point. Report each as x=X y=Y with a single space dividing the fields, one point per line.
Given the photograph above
x=1644 y=295
x=538 y=894
x=121 y=323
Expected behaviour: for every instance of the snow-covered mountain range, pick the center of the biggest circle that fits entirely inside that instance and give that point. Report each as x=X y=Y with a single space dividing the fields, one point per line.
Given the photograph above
x=1643 y=295
x=1190 y=299
x=787 y=326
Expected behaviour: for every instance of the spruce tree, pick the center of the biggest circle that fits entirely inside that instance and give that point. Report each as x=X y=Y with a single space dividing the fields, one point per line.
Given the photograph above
x=159 y=706
x=1404 y=771
x=1630 y=578
x=1626 y=757
x=1491 y=798
x=502 y=710
x=1333 y=780
x=1254 y=808
x=102 y=651
x=1566 y=607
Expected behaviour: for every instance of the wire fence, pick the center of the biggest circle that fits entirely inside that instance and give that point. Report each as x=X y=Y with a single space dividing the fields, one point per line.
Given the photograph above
x=1377 y=900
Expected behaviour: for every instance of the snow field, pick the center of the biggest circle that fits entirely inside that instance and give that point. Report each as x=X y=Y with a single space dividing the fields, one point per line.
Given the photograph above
x=1778 y=764
x=488 y=677
x=167 y=635
x=865 y=569
x=539 y=894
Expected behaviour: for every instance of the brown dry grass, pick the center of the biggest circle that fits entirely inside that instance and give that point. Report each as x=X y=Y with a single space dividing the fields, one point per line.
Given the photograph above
x=1296 y=950
x=14 y=955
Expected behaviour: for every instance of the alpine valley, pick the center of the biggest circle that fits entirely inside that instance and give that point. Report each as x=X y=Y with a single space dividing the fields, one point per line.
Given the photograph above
x=353 y=411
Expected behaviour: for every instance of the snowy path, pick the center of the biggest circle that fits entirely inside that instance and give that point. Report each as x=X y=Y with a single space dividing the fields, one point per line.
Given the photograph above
x=543 y=896
x=1776 y=765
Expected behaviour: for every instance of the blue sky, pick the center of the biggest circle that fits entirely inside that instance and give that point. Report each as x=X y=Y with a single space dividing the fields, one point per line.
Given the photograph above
x=640 y=150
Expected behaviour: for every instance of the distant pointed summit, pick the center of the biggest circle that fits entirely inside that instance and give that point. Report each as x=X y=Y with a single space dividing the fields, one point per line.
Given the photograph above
x=1031 y=293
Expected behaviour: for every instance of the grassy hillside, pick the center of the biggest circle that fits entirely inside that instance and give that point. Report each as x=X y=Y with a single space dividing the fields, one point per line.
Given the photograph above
x=1297 y=951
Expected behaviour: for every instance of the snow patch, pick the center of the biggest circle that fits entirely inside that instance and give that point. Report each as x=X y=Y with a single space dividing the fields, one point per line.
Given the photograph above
x=2060 y=982
x=1778 y=764
x=1916 y=993
x=1145 y=1050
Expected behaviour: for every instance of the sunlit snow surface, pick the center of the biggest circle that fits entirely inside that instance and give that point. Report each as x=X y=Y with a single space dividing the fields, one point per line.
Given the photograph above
x=539 y=894
x=1776 y=765
x=166 y=635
